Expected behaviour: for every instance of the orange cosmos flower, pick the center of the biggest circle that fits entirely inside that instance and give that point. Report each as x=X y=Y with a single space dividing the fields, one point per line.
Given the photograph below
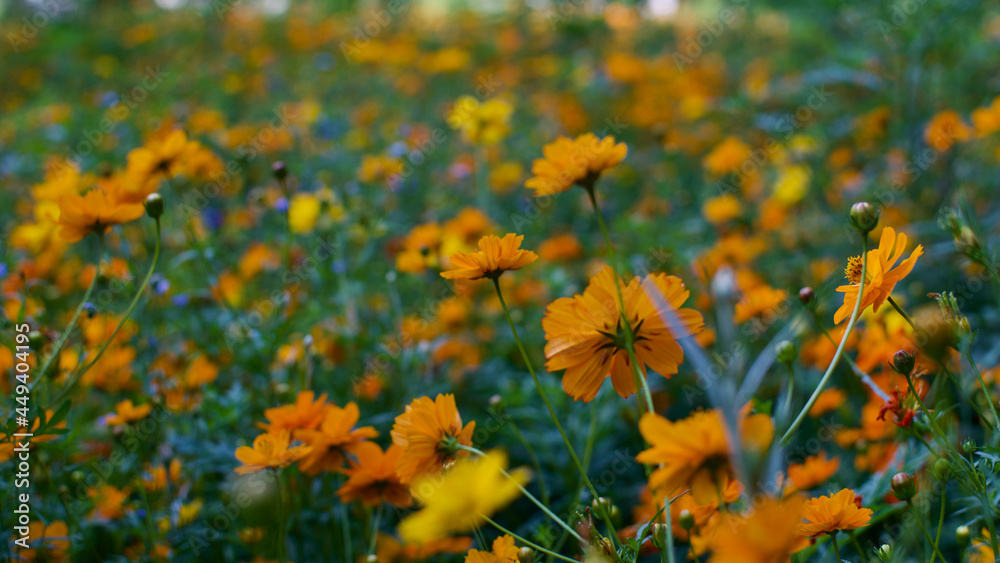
x=570 y=162
x=504 y=551
x=269 y=450
x=304 y=414
x=585 y=337
x=811 y=473
x=841 y=511
x=881 y=276
x=126 y=412
x=495 y=256
x=161 y=158
x=93 y=212
x=372 y=478
x=429 y=433
x=769 y=534
x=333 y=439
x=693 y=452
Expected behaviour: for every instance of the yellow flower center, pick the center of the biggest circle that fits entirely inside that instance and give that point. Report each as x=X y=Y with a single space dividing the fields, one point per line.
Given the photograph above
x=853 y=269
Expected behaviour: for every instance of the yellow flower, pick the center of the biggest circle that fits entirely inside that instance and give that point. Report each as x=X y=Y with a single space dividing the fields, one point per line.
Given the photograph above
x=881 y=275
x=484 y=123
x=494 y=257
x=721 y=209
x=459 y=499
x=303 y=211
x=570 y=162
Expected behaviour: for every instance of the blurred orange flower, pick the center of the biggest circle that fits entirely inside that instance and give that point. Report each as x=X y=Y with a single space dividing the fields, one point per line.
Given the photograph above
x=270 y=450
x=570 y=162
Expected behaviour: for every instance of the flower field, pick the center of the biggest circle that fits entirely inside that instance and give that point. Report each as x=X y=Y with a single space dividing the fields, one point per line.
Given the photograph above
x=500 y=282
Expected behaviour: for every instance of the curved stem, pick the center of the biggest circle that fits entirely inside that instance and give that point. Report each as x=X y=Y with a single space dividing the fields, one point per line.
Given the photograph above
x=135 y=301
x=901 y=312
x=923 y=529
x=64 y=337
x=534 y=546
x=937 y=538
x=530 y=496
x=840 y=348
x=552 y=412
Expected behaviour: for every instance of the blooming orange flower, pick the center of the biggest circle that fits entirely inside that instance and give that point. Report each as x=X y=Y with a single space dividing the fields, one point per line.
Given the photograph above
x=693 y=452
x=372 y=478
x=825 y=515
x=269 y=450
x=494 y=257
x=304 y=414
x=769 y=534
x=504 y=551
x=570 y=162
x=93 y=212
x=812 y=472
x=333 y=439
x=159 y=159
x=48 y=543
x=585 y=337
x=881 y=275
x=126 y=412
x=109 y=502
x=429 y=432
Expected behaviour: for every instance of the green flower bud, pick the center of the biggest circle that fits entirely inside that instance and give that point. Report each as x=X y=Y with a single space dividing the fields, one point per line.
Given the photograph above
x=525 y=555
x=903 y=486
x=154 y=205
x=902 y=362
x=786 y=352
x=884 y=552
x=941 y=469
x=864 y=217
x=962 y=536
x=685 y=519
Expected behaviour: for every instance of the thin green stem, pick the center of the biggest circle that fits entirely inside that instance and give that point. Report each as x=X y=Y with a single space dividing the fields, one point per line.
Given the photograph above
x=534 y=461
x=530 y=496
x=64 y=337
x=937 y=537
x=982 y=385
x=375 y=524
x=75 y=377
x=836 y=548
x=552 y=412
x=668 y=541
x=282 y=524
x=532 y=545
x=923 y=529
x=840 y=348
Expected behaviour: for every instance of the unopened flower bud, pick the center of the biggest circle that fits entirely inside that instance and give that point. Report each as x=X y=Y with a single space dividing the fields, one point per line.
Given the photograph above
x=786 y=352
x=864 y=217
x=967 y=242
x=884 y=552
x=371 y=559
x=279 y=170
x=35 y=340
x=525 y=555
x=902 y=362
x=685 y=519
x=154 y=205
x=903 y=486
x=659 y=538
x=806 y=295
x=968 y=445
x=941 y=469
x=962 y=536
